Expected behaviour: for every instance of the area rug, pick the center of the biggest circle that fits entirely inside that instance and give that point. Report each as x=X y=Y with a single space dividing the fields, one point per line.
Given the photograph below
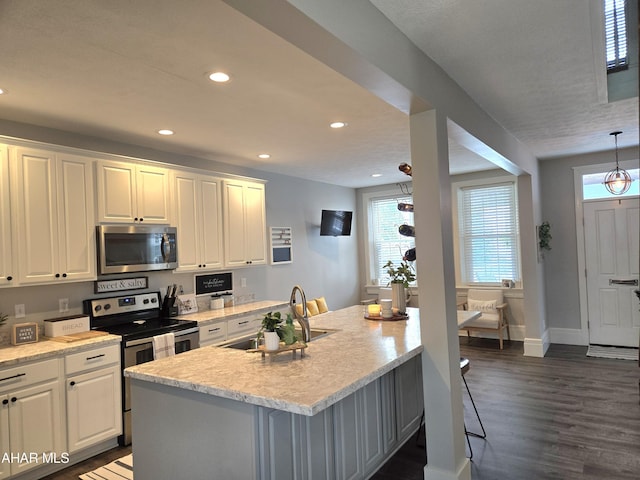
x=121 y=469
x=622 y=353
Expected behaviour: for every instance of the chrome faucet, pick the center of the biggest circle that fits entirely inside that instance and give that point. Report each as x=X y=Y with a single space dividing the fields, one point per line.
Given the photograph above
x=303 y=319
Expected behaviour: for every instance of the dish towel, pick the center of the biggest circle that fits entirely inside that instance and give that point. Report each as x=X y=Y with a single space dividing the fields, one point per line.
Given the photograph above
x=164 y=346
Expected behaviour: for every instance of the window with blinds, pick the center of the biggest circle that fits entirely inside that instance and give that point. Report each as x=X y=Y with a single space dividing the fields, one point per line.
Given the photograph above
x=488 y=234
x=615 y=23
x=386 y=243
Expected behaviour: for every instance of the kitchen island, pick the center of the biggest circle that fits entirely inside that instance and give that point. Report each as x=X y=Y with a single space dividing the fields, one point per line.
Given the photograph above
x=338 y=412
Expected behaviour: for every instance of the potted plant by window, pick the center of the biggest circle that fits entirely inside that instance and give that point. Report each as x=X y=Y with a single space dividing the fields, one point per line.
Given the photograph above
x=401 y=277
x=274 y=330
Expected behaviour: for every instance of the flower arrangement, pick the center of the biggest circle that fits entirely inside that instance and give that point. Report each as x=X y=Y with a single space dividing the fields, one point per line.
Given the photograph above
x=402 y=274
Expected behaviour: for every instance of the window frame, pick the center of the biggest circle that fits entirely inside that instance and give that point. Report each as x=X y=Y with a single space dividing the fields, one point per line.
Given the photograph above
x=456 y=188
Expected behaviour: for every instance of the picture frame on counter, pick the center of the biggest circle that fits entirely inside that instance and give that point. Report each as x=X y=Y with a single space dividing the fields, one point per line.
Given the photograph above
x=187 y=303
x=22 y=333
x=120 y=284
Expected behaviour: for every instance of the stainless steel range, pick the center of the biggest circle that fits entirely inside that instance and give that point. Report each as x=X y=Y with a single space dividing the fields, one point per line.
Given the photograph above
x=137 y=319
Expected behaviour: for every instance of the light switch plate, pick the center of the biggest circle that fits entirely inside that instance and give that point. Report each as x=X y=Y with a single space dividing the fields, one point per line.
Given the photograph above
x=19 y=310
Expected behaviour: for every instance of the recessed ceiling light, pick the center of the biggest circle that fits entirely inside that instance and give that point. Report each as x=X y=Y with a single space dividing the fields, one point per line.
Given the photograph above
x=165 y=131
x=338 y=124
x=2 y=91
x=376 y=175
x=219 y=77
x=264 y=155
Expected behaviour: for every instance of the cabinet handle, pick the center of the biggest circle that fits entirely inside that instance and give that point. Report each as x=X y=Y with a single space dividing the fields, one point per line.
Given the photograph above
x=64 y=275
x=57 y=275
x=141 y=219
x=14 y=399
x=5 y=401
x=12 y=376
x=214 y=330
x=135 y=219
x=95 y=356
x=9 y=278
x=72 y=383
x=243 y=323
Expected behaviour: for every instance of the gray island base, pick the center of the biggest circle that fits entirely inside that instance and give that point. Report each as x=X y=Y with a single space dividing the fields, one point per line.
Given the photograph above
x=338 y=413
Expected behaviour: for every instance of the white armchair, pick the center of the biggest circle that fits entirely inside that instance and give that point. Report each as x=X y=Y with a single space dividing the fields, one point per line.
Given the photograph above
x=494 y=317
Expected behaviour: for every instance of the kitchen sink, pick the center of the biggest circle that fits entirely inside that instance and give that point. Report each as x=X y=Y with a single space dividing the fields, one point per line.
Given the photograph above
x=247 y=343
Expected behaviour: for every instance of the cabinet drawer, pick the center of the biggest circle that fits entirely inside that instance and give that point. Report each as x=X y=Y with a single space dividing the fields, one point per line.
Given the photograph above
x=215 y=332
x=28 y=374
x=242 y=325
x=89 y=359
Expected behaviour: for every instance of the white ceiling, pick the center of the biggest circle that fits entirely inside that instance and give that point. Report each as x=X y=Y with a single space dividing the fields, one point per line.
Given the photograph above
x=121 y=70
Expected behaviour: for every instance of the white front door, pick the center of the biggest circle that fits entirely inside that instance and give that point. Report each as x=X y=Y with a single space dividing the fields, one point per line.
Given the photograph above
x=611 y=229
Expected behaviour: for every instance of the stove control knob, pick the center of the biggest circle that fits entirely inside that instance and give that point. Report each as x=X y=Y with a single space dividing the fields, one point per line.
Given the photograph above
x=145 y=301
x=98 y=308
x=154 y=300
x=107 y=306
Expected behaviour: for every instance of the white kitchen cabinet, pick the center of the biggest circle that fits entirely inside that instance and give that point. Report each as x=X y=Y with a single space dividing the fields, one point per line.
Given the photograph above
x=244 y=325
x=132 y=193
x=244 y=223
x=31 y=417
x=198 y=218
x=7 y=266
x=93 y=387
x=53 y=215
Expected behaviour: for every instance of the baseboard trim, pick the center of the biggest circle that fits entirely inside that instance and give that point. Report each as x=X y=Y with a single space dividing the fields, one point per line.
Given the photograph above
x=569 y=336
x=536 y=347
x=463 y=473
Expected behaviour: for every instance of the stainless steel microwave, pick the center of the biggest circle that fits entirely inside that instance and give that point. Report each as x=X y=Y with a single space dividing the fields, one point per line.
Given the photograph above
x=136 y=248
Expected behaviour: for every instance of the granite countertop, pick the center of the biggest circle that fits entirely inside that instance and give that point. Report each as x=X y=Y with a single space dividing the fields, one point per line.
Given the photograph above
x=333 y=367
x=16 y=354
x=228 y=313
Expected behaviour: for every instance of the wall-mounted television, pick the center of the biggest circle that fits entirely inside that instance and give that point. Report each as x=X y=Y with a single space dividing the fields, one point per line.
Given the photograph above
x=335 y=223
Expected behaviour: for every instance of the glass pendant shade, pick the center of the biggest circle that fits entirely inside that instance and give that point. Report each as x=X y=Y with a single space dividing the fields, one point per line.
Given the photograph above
x=618 y=180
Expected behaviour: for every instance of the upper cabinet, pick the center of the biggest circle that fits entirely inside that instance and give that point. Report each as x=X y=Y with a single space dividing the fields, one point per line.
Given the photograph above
x=244 y=223
x=198 y=218
x=53 y=216
x=7 y=267
x=132 y=193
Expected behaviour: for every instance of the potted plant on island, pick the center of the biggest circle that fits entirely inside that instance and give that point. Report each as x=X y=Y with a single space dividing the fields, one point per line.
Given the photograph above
x=274 y=330
x=401 y=277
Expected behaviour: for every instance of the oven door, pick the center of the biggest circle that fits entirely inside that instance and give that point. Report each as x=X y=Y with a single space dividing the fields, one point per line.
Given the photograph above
x=141 y=351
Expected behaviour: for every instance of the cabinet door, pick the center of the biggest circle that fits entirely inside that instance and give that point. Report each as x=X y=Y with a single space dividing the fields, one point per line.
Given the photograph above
x=348 y=438
x=36 y=216
x=35 y=422
x=5 y=467
x=76 y=218
x=152 y=189
x=234 y=221
x=211 y=223
x=186 y=220
x=7 y=267
x=116 y=185
x=255 y=221
x=372 y=426
x=93 y=407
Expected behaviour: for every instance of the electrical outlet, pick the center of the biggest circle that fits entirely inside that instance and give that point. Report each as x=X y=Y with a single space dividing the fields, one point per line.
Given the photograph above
x=63 y=305
x=243 y=282
x=19 y=308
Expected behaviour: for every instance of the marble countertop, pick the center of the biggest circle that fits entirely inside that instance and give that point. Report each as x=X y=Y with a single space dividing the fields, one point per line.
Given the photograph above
x=334 y=366
x=16 y=354
x=227 y=313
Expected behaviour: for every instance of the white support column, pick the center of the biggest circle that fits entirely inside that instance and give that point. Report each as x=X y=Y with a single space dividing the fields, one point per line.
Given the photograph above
x=444 y=418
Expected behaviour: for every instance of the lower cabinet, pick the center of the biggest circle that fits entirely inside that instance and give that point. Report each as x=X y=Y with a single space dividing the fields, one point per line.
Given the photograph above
x=30 y=416
x=93 y=385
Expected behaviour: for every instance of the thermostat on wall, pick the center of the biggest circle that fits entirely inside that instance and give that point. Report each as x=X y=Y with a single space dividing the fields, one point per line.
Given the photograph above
x=24 y=333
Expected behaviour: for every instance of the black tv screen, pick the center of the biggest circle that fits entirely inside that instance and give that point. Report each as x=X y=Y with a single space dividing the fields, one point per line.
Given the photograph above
x=335 y=223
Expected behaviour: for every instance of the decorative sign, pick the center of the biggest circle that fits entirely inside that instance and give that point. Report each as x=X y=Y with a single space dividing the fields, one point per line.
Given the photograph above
x=213 y=283
x=24 y=333
x=106 y=286
x=187 y=304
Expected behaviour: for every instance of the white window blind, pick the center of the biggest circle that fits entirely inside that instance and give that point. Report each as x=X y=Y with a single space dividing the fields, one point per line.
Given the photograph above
x=489 y=234
x=616 y=34
x=386 y=242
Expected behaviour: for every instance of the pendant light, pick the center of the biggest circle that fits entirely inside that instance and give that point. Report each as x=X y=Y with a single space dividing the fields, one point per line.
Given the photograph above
x=617 y=181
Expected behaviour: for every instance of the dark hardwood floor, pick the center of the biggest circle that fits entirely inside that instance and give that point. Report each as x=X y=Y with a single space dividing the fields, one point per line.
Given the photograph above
x=565 y=416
